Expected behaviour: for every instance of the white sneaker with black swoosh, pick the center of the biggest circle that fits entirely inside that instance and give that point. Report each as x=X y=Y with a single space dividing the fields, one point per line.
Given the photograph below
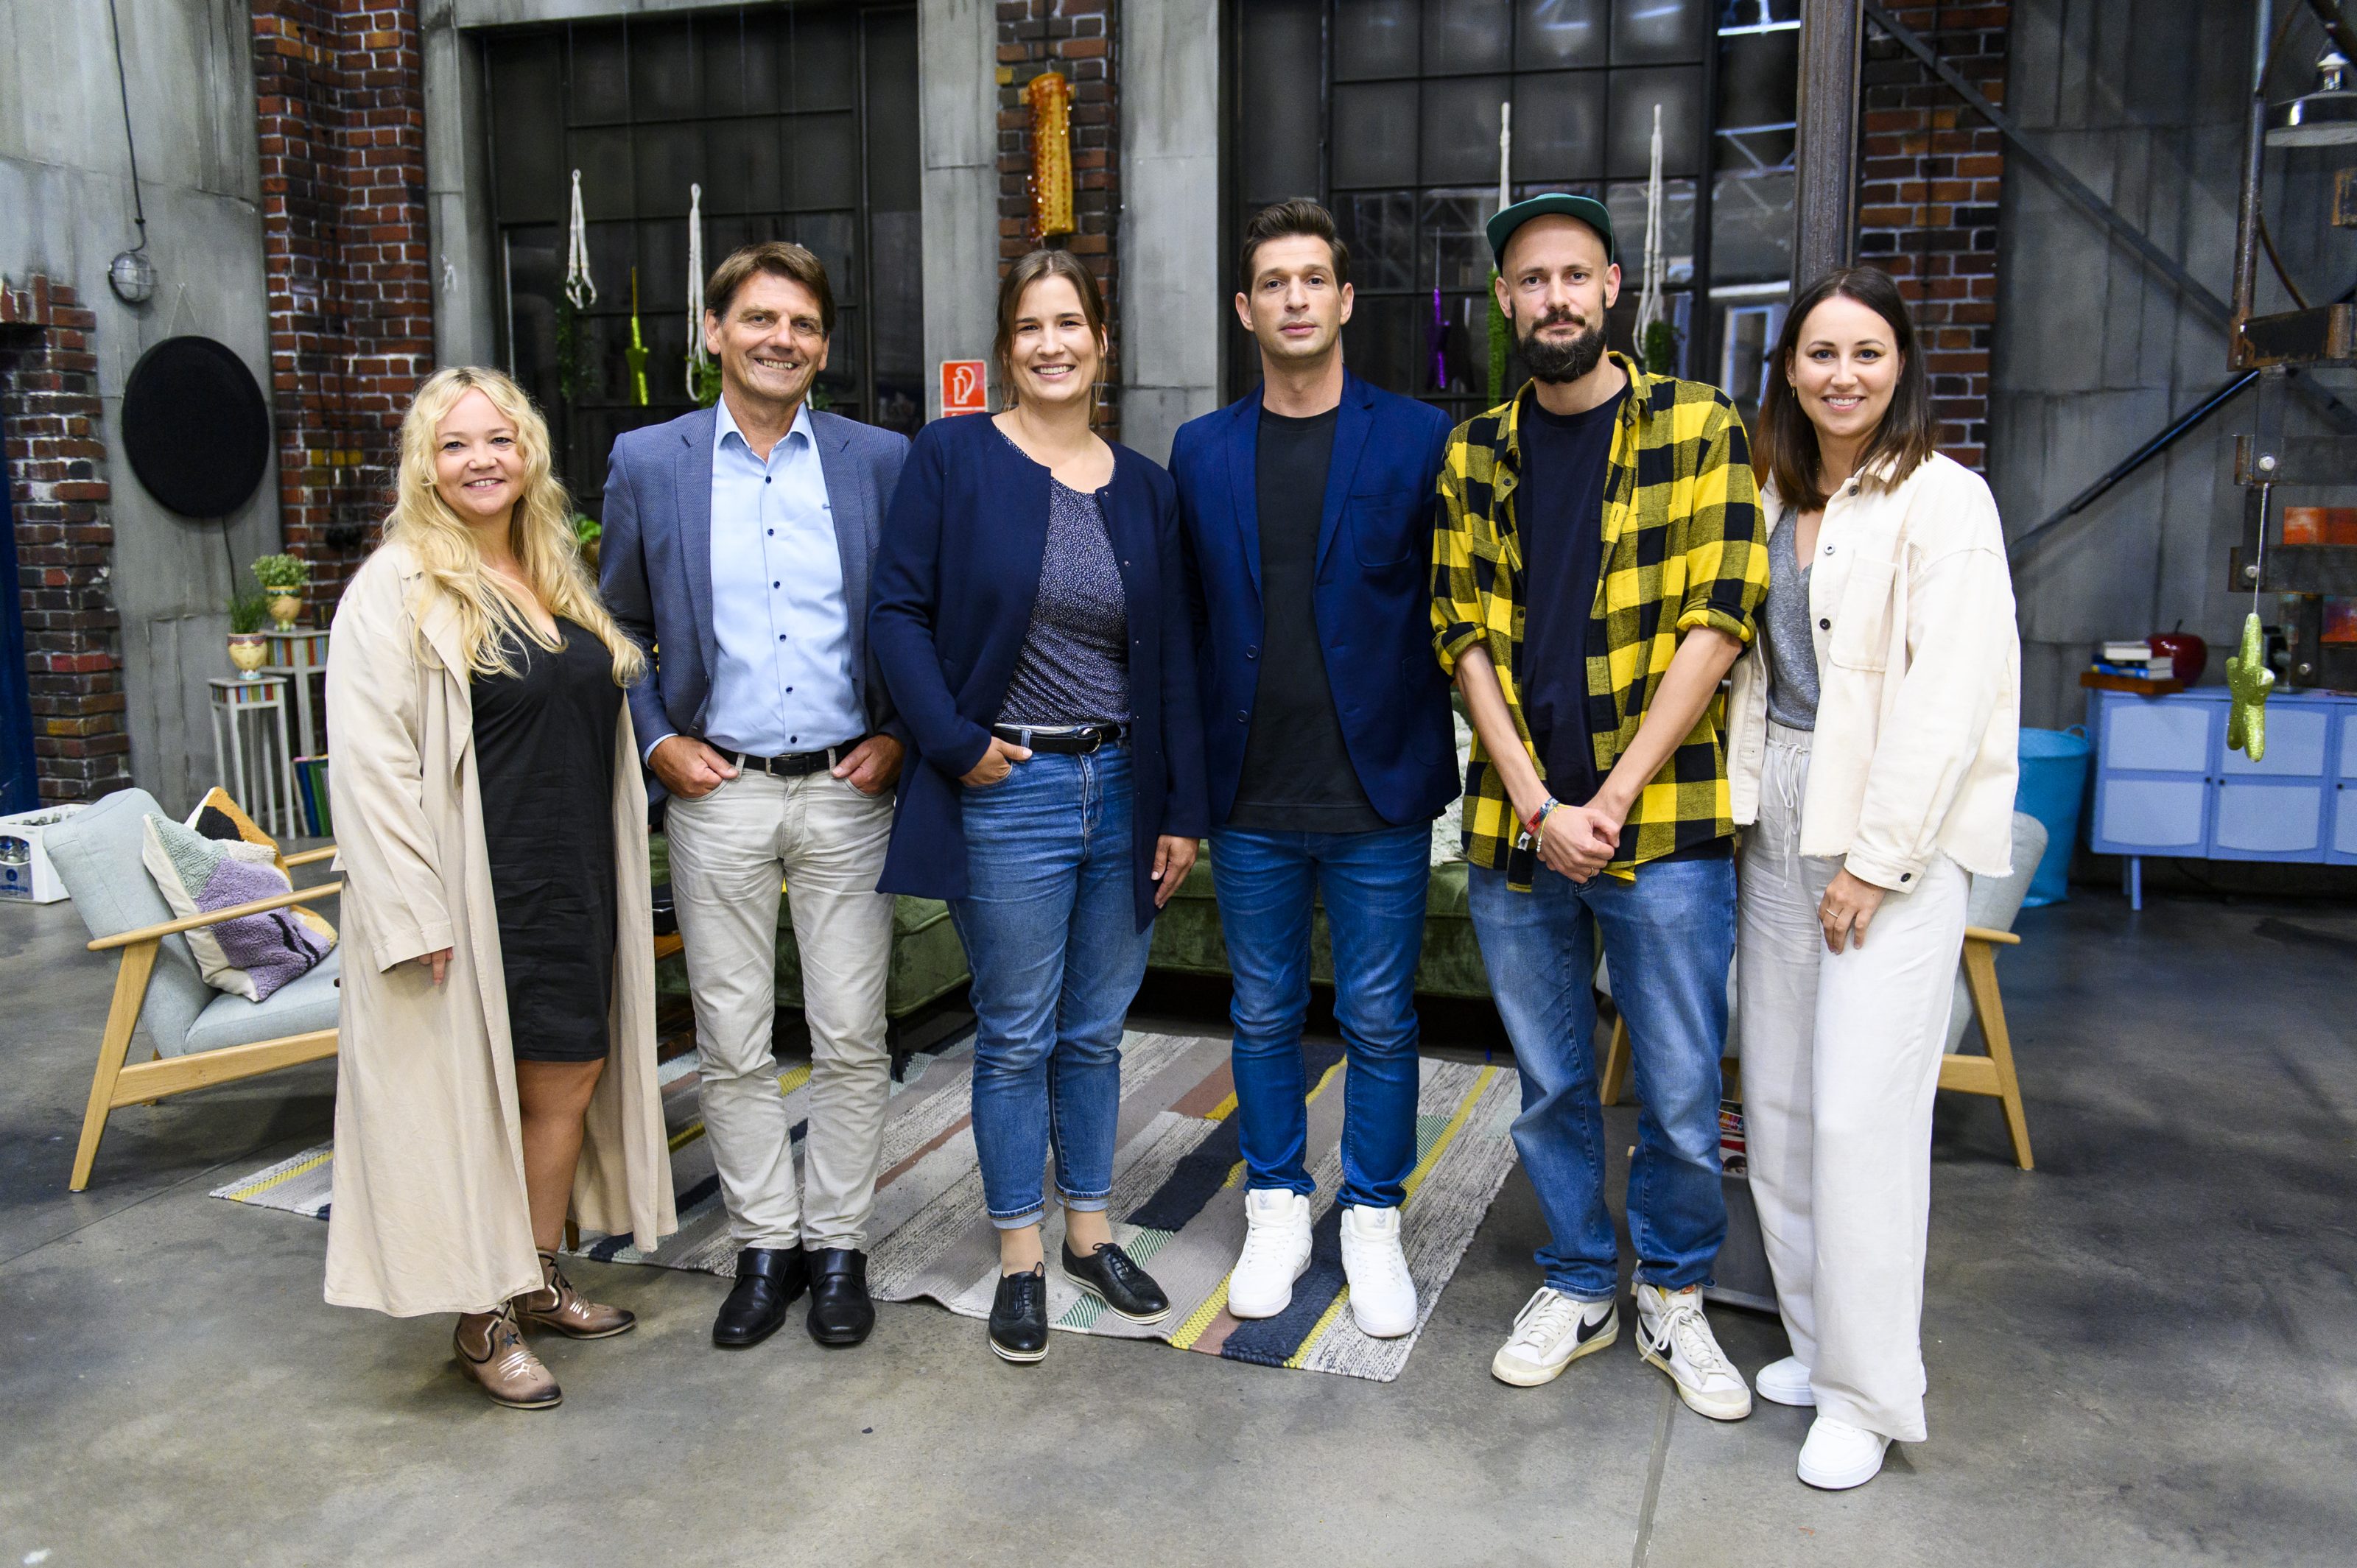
x=1674 y=1333
x=1550 y=1332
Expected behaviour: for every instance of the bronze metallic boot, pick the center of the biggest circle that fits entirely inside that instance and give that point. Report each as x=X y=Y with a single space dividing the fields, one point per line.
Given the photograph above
x=555 y=1305
x=492 y=1349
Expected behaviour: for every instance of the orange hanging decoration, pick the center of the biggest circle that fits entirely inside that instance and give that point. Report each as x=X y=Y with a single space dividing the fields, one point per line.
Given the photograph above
x=1050 y=98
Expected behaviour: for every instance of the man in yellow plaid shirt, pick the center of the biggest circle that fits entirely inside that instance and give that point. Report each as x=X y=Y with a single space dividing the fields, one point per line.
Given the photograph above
x=1596 y=564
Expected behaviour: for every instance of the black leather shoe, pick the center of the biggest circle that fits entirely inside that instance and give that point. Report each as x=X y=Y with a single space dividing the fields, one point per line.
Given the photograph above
x=1019 y=1317
x=768 y=1281
x=841 y=1312
x=1109 y=1275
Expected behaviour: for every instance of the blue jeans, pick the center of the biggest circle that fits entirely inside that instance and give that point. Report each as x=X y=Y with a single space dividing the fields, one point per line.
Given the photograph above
x=1050 y=933
x=1669 y=937
x=1373 y=884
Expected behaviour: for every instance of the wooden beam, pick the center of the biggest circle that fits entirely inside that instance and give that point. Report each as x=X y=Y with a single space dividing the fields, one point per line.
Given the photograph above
x=1826 y=151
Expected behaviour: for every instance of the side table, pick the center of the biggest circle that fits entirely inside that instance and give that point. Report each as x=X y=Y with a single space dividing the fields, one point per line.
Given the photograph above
x=261 y=699
x=298 y=654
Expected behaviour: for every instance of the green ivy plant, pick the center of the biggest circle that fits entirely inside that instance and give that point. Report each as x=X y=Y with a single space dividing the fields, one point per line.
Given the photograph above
x=1661 y=349
x=587 y=530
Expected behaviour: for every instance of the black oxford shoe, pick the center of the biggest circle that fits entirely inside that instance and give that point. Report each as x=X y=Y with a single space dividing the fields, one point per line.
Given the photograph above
x=1109 y=1275
x=1019 y=1317
x=841 y=1312
x=768 y=1281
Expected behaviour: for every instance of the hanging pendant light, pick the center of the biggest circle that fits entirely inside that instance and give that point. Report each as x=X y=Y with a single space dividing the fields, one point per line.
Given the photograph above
x=2324 y=118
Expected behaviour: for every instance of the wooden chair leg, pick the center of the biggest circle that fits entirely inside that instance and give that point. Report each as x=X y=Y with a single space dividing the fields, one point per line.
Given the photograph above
x=1615 y=1062
x=1988 y=1006
x=122 y=1018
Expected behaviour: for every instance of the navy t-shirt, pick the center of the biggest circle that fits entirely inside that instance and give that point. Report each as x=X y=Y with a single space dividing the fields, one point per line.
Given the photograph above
x=1559 y=513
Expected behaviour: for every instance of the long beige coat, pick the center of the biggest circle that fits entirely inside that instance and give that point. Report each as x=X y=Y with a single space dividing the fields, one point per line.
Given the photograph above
x=429 y=1213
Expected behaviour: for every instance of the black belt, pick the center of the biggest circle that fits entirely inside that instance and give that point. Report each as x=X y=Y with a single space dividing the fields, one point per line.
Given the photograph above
x=1077 y=740
x=794 y=764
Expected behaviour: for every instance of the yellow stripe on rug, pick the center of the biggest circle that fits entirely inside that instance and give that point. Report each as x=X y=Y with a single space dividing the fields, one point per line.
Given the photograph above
x=306 y=1168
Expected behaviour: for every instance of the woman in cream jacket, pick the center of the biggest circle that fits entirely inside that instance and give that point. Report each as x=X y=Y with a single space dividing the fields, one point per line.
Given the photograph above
x=472 y=1105
x=1873 y=728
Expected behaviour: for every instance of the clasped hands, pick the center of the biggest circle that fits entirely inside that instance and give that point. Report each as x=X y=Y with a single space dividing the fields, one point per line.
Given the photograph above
x=1578 y=841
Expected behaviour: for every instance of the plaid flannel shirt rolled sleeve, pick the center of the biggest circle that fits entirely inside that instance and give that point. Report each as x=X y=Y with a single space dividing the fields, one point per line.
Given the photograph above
x=1457 y=598
x=1725 y=544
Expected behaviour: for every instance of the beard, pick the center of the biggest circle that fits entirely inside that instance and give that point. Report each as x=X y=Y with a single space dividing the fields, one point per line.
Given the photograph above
x=1555 y=362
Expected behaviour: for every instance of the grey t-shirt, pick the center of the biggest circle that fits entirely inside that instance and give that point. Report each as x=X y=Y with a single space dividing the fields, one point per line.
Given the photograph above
x=1074 y=668
x=1792 y=646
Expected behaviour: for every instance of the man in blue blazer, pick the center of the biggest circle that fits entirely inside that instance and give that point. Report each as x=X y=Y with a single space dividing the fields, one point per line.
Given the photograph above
x=1308 y=515
x=739 y=543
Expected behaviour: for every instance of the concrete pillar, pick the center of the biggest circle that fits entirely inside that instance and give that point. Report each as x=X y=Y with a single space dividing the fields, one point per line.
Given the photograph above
x=1826 y=193
x=464 y=256
x=957 y=110
x=1172 y=272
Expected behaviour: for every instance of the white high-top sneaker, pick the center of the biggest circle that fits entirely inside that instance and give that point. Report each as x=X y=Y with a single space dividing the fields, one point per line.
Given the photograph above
x=1276 y=1252
x=1383 y=1294
x=1673 y=1335
x=1838 y=1455
x=1550 y=1332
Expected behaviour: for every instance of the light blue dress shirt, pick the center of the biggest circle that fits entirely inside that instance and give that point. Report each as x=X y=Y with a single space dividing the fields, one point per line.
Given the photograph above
x=783 y=680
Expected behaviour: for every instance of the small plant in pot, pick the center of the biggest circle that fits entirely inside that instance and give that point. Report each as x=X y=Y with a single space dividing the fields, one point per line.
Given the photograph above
x=282 y=579
x=248 y=648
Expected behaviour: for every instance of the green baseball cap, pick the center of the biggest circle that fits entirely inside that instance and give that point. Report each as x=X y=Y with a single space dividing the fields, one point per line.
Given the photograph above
x=1586 y=209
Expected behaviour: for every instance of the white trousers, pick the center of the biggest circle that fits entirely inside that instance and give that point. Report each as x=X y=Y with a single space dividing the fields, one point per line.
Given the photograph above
x=1841 y=1059
x=728 y=852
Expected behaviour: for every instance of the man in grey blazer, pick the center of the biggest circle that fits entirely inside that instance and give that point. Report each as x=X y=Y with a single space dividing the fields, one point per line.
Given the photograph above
x=737 y=549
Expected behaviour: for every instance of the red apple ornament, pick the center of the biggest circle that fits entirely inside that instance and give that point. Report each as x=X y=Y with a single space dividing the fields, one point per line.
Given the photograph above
x=2188 y=655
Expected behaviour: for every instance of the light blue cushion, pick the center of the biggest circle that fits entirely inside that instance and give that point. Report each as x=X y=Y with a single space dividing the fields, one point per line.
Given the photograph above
x=297 y=1007
x=97 y=853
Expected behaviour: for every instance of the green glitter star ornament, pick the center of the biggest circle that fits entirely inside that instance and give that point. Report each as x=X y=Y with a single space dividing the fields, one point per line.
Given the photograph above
x=2250 y=680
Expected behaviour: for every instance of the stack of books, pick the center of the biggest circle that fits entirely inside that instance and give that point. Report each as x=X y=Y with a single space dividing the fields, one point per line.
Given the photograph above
x=2135 y=660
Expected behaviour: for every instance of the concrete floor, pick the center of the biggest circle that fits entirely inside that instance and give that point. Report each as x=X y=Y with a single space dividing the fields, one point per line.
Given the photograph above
x=2139 y=1354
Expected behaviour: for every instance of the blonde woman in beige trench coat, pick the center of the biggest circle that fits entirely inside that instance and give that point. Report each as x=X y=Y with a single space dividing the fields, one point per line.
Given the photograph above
x=456 y=1162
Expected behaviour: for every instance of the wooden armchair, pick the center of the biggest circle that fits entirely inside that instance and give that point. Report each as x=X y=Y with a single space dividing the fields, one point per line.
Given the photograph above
x=202 y=1036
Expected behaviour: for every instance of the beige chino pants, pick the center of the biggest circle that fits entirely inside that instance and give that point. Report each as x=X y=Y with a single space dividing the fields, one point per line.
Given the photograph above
x=728 y=852
x=1841 y=1059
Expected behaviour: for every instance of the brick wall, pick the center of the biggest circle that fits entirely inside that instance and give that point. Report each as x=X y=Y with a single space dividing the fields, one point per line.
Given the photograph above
x=1075 y=36
x=65 y=546
x=1928 y=178
x=343 y=121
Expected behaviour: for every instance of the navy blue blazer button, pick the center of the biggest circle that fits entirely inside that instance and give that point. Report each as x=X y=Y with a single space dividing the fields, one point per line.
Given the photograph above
x=1243 y=717
x=1251 y=653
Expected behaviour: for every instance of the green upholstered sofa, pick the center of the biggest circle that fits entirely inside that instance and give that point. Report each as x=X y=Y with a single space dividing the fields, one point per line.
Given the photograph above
x=926 y=962
x=1187 y=938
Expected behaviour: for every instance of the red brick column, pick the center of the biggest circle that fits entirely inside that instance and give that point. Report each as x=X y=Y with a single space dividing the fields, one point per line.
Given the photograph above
x=340 y=92
x=1075 y=36
x=1928 y=180
x=65 y=545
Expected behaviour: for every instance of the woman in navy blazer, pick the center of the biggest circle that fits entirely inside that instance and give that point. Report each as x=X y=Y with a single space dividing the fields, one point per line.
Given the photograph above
x=1030 y=621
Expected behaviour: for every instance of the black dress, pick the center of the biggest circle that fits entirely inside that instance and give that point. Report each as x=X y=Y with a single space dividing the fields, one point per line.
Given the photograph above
x=544 y=757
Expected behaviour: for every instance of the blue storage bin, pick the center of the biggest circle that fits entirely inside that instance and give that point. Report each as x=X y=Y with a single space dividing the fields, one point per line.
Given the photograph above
x=2054 y=782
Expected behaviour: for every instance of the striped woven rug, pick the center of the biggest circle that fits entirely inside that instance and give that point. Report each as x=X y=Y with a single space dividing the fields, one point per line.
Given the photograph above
x=1178 y=1198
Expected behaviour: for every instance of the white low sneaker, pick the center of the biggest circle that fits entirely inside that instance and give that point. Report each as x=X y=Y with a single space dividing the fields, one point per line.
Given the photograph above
x=1550 y=1332
x=1785 y=1382
x=1673 y=1335
x=1383 y=1294
x=1838 y=1455
x=1276 y=1252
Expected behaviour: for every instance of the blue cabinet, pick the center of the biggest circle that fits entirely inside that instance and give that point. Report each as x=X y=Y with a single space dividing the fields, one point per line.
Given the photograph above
x=2166 y=782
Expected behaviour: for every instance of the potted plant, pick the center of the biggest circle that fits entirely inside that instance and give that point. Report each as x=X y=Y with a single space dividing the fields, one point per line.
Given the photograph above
x=248 y=648
x=282 y=579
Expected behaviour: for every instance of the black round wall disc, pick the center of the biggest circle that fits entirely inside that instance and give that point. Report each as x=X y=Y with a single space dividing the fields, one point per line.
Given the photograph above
x=195 y=426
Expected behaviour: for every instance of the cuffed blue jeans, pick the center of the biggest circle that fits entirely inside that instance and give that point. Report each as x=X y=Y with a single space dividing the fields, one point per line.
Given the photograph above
x=1050 y=932
x=1374 y=886
x=1668 y=938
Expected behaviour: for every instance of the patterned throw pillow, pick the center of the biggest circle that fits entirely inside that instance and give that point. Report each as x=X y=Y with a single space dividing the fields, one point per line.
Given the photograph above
x=250 y=957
